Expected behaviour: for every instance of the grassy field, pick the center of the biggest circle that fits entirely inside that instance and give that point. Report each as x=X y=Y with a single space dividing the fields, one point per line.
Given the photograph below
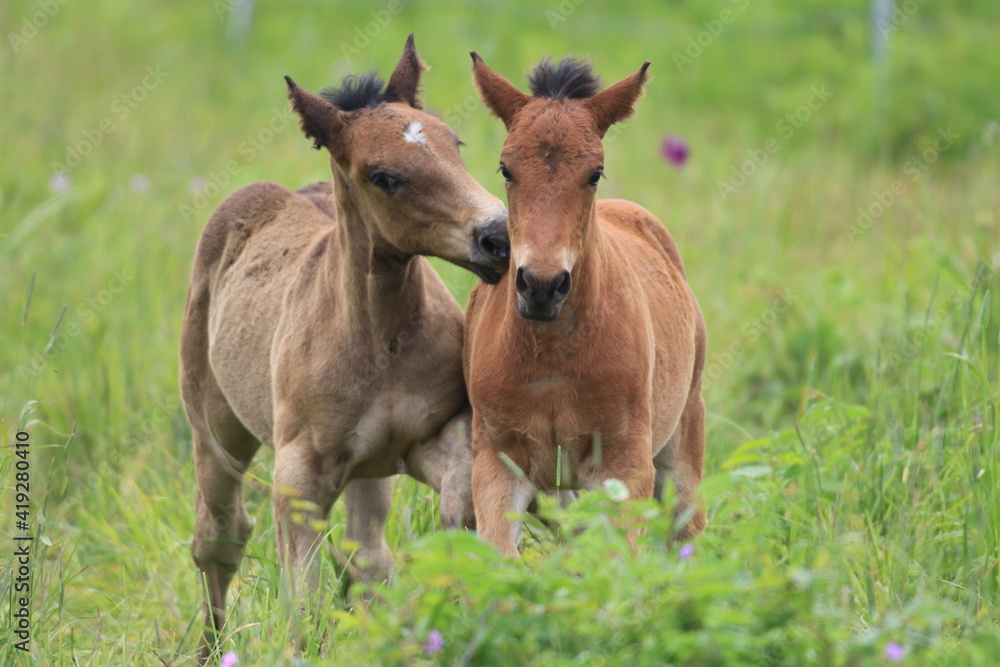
x=839 y=217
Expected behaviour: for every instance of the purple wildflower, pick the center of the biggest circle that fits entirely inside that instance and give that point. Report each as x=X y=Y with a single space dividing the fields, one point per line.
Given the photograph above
x=230 y=660
x=675 y=151
x=894 y=652
x=686 y=551
x=434 y=642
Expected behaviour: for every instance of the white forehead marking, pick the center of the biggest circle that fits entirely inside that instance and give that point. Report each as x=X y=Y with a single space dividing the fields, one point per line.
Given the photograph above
x=415 y=134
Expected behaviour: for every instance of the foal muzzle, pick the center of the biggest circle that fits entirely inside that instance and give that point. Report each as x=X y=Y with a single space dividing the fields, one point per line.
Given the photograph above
x=490 y=254
x=541 y=298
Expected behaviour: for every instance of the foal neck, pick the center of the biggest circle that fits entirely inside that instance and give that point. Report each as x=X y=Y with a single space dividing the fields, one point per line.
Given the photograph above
x=376 y=282
x=588 y=271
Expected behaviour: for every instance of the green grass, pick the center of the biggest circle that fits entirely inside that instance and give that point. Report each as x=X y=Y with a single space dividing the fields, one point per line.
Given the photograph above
x=853 y=465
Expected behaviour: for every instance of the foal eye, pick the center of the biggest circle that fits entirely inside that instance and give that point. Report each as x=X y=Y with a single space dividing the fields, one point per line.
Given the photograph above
x=387 y=183
x=596 y=176
x=505 y=173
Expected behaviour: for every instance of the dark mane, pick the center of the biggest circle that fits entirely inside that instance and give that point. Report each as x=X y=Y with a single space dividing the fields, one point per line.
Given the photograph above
x=569 y=78
x=356 y=92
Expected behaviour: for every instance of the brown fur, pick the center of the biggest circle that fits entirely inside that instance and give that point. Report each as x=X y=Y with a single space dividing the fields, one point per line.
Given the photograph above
x=622 y=357
x=312 y=325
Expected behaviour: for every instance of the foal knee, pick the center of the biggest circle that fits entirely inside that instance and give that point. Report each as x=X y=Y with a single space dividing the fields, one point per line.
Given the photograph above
x=220 y=537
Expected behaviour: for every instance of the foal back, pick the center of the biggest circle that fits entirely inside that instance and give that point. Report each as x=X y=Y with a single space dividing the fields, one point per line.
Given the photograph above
x=252 y=247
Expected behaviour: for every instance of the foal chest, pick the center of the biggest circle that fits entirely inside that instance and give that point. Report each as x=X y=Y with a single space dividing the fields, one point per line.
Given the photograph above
x=553 y=426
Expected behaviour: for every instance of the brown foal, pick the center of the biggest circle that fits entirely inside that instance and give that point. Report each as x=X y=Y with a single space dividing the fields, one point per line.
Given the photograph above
x=593 y=343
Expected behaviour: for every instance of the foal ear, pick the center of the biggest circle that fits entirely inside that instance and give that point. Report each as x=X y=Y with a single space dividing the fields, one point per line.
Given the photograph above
x=319 y=119
x=405 y=79
x=499 y=94
x=614 y=103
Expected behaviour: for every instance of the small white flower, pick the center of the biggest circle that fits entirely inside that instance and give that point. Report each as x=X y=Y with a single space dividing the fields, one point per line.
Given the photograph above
x=616 y=490
x=60 y=182
x=139 y=183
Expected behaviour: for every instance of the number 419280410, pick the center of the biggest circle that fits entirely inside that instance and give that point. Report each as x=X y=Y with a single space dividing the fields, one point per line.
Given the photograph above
x=23 y=479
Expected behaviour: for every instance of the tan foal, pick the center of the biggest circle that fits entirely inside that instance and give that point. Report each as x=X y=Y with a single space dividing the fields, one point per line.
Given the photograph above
x=314 y=325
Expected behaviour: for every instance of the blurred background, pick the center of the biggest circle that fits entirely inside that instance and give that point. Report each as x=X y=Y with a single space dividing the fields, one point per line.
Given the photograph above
x=829 y=170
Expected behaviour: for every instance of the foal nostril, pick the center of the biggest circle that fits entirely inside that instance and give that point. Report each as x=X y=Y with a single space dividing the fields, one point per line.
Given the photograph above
x=559 y=288
x=525 y=283
x=519 y=283
x=540 y=299
x=495 y=245
x=492 y=244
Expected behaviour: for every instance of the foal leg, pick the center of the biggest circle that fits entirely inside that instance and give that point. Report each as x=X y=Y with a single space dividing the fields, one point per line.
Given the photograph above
x=302 y=501
x=368 y=504
x=222 y=525
x=629 y=461
x=496 y=490
x=682 y=459
x=444 y=462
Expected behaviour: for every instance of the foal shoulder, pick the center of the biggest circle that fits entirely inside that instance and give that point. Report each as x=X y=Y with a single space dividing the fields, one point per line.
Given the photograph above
x=636 y=221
